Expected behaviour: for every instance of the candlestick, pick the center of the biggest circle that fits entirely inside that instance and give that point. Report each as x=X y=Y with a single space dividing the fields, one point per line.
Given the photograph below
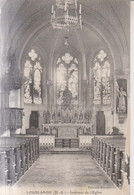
x=76 y=4
x=80 y=9
x=67 y=14
x=65 y=6
x=52 y=9
x=80 y=22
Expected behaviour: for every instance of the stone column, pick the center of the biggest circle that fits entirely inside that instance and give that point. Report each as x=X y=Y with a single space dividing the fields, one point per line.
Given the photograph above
x=84 y=93
x=84 y=81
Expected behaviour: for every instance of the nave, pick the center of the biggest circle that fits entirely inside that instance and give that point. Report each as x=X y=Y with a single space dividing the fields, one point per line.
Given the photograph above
x=65 y=170
x=102 y=164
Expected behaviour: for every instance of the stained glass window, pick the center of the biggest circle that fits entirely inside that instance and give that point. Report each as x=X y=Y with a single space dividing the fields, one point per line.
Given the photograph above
x=67 y=76
x=33 y=78
x=101 y=75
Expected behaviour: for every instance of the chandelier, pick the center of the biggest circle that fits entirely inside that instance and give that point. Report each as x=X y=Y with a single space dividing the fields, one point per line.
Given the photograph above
x=66 y=15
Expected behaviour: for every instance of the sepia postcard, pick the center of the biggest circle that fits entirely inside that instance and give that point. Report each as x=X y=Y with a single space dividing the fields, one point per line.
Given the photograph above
x=65 y=97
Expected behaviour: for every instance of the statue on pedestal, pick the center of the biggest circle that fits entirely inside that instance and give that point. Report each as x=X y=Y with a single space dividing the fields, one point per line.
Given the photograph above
x=121 y=99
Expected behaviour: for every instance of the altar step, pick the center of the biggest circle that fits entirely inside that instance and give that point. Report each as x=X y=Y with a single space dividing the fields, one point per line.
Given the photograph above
x=66 y=151
x=66 y=143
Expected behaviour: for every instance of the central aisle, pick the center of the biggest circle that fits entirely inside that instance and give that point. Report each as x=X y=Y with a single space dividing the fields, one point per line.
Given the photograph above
x=65 y=170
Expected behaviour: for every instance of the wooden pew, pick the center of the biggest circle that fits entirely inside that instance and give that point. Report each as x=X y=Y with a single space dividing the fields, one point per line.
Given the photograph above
x=7 y=166
x=94 y=147
x=30 y=144
x=32 y=150
x=35 y=140
x=116 y=156
x=25 y=151
x=19 y=151
x=104 y=148
x=23 y=158
x=108 y=149
x=3 y=168
x=125 y=169
x=109 y=154
x=101 y=153
x=97 y=150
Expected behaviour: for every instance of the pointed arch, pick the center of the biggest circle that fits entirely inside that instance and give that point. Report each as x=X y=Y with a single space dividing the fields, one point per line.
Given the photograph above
x=67 y=80
x=101 y=78
x=33 y=78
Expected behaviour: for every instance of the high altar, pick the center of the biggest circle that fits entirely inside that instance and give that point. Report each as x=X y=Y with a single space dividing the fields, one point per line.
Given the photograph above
x=67 y=123
x=66 y=128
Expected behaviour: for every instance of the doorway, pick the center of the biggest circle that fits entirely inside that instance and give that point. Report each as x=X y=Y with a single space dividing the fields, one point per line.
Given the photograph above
x=34 y=119
x=100 y=123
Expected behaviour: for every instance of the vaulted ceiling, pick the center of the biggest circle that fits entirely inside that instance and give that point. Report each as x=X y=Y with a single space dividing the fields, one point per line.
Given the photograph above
x=26 y=23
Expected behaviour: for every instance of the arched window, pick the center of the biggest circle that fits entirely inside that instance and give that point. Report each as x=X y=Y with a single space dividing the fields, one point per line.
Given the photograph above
x=33 y=78
x=67 y=76
x=101 y=79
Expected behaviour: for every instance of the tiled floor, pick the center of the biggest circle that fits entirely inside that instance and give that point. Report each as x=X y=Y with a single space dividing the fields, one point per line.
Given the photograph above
x=65 y=170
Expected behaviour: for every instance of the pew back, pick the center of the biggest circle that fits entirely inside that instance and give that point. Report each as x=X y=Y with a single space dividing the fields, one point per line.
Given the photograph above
x=109 y=153
x=17 y=154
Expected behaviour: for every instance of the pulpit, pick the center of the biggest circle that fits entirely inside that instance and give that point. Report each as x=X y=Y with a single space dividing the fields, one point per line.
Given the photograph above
x=12 y=119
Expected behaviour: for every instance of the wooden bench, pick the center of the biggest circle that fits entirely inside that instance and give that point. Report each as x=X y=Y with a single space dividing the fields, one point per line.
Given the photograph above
x=7 y=166
x=25 y=151
x=35 y=141
x=114 y=155
x=21 y=150
x=109 y=153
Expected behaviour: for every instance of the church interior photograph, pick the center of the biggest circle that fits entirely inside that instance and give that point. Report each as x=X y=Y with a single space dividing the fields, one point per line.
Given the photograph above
x=64 y=93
